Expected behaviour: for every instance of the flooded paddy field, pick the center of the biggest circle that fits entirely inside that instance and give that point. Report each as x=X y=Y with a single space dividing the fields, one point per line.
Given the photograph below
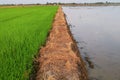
x=97 y=31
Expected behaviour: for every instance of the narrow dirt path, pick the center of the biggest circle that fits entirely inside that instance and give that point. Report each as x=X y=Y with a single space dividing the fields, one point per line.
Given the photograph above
x=60 y=59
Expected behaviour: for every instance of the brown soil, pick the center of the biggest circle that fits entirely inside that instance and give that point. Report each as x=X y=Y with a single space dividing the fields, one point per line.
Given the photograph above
x=60 y=59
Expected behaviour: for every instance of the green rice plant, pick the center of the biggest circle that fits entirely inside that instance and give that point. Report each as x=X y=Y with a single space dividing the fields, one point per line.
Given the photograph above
x=23 y=30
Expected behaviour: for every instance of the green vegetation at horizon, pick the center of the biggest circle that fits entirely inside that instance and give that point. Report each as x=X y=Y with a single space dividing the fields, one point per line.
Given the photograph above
x=23 y=30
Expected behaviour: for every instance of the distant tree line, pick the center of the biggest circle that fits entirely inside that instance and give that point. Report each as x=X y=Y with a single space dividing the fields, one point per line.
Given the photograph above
x=69 y=4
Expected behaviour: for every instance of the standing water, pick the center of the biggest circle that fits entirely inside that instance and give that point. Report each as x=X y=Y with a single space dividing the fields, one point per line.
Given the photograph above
x=97 y=31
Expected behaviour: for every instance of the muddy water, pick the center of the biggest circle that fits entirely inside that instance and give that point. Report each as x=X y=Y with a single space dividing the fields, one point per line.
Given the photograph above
x=97 y=31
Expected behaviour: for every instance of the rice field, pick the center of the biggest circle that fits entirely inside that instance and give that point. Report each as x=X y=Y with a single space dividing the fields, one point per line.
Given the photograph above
x=23 y=30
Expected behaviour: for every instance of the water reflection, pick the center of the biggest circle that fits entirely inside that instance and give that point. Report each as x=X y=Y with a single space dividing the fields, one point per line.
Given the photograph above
x=97 y=31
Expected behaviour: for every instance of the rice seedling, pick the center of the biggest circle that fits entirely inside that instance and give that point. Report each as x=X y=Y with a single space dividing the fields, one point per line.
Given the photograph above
x=23 y=30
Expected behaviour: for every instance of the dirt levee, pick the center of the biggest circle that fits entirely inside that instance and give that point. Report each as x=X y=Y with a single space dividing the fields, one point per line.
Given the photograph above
x=60 y=59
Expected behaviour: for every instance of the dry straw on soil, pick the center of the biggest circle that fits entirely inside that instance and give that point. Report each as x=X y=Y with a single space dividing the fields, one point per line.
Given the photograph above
x=60 y=59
